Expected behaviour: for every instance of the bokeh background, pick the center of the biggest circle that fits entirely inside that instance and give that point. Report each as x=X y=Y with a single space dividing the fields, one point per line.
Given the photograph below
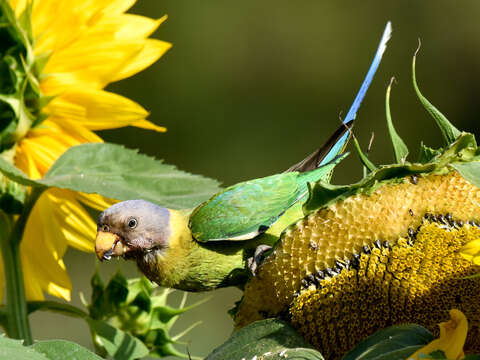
x=251 y=87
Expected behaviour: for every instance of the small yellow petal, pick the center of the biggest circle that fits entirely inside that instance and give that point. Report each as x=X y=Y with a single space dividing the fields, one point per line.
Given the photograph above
x=453 y=334
x=56 y=32
x=145 y=124
x=33 y=290
x=59 y=291
x=95 y=201
x=43 y=151
x=24 y=161
x=119 y=6
x=96 y=109
x=150 y=53
x=471 y=251
x=126 y=27
x=73 y=133
x=42 y=249
x=18 y=6
x=94 y=60
x=73 y=224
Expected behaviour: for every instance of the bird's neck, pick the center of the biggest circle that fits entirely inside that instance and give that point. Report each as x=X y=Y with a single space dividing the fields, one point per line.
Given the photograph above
x=167 y=266
x=190 y=266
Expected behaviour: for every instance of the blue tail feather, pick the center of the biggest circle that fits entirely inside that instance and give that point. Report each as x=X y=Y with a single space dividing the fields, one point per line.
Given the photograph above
x=352 y=112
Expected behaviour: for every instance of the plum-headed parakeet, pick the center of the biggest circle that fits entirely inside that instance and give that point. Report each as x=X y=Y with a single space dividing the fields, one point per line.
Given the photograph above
x=221 y=242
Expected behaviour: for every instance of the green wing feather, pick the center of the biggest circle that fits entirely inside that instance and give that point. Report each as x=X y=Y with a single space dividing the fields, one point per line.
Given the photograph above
x=247 y=209
x=244 y=210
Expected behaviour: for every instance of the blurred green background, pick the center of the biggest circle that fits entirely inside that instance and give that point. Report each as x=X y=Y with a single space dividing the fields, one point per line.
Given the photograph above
x=251 y=87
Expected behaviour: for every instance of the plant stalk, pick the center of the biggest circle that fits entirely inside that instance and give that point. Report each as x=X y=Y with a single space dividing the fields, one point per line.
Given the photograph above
x=18 y=325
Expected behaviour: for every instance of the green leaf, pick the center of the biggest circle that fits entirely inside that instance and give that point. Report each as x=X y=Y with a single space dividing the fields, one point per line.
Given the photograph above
x=426 y=154
x=119 y=173
x=13 y=349
x=15 y=174
x=119 y=344
x=273 y=337
x=470 y=171
x=61 y=349
x=450 y=133
x=98 y=307
x=472 y=357
x=399 y=147
x=57 y=307
x=395 y=342
x=364 y=158
x=440 y=355
x=116 y=291
x=323 y=194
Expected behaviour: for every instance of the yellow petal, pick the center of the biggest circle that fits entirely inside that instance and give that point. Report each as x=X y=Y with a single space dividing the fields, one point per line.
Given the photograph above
x=42 y=249
x=45 y=143
x=471 y=251
x=145 y=124
x=33 y=289
x=55 y=32
x=18 y=6
x=95 y=201
x=126 y=27
x=150 y=53
x=39 y=158
x=72 y=133
x=453 y=334
x=75 y=224
x=94 y=60
x=119 y=6
x=96 y=109
x=24 y=161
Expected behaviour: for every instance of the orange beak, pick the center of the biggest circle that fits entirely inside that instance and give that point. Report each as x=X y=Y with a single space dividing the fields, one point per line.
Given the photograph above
x=108 y=244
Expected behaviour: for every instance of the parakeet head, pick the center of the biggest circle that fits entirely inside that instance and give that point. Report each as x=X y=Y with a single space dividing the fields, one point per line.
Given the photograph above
x=131 y=228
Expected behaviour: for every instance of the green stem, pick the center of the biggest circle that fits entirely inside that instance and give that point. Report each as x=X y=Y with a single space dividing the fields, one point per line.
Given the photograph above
x=18 y=325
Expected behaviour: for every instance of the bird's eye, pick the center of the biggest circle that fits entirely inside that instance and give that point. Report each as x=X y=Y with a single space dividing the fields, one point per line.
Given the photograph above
x=105 y=228
x=132 y=223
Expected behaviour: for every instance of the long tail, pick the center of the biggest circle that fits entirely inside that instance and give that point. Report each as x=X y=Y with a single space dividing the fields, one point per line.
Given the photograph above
x=338 y=141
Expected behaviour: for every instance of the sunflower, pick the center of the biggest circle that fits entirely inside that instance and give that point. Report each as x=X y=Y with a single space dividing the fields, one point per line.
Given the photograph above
x=92 y=43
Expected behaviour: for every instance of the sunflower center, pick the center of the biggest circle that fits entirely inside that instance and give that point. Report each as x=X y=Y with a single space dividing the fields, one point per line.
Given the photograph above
x=391 y=284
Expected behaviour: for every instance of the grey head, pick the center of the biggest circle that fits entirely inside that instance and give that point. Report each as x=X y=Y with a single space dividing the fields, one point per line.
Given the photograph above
x=131 y=228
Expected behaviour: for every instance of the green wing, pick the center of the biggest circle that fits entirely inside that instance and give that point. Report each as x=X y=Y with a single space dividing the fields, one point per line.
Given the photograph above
x=244 y=210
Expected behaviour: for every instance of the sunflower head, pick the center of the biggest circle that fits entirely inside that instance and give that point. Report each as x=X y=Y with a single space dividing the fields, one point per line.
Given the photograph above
x=56 y=58
x=400 y=246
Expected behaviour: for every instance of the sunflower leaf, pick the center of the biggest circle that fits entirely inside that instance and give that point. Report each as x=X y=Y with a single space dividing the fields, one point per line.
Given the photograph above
x=426 y=153
x=15 y=174
x=14 y=349
x=273 y=337
x=363 y=157
x=399 y=147
x=395 y=342
x=120 y=173
x=54 y=306
x=61 y=349
x=119 y=344
x=469 y=171
x=450 y=133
